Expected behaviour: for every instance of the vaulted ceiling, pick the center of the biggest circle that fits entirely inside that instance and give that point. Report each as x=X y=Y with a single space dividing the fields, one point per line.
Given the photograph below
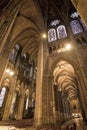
x=31 y=22
x=65 y=79
x=31 y=19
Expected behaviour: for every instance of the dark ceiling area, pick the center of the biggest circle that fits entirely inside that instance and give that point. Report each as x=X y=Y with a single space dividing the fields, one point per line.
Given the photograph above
x=30 y=21
x=48 y=8
x=3 y=3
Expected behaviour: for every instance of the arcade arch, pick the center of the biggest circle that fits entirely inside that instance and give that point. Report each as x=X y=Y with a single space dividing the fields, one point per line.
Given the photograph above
x=67 y=104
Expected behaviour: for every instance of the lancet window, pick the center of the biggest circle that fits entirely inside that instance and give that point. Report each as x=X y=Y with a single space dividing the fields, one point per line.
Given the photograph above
x=52 y=35
x=76 y=27
x=61 y=32
x=2 y=96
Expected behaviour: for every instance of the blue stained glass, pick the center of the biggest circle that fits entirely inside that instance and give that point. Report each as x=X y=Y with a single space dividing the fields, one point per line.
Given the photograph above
x=83 y=24
x=61 y=32
x=2 y=95
x=52 y=35
x=76 y=27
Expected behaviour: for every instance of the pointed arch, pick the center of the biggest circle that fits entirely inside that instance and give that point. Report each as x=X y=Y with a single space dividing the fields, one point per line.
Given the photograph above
x=61 y=32
x=52 y=35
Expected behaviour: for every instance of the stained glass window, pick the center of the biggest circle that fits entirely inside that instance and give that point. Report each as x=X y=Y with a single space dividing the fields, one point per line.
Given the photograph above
x=52 y=35
x=14 y=53
x=26 y=105
x=55 y=22
x=83 y=24
x=76 y=27
x=13 y=103
x=2 y=95
x=61 y=32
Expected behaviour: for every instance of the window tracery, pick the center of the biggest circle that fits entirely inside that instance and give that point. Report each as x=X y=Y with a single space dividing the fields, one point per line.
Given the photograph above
x=52 y=35
x=2 y=96
x=14 y=53
x=61 y=32
x=13 y=104
x=27 y=103
x=83 y=24
x=55 y=22
x=76 y=27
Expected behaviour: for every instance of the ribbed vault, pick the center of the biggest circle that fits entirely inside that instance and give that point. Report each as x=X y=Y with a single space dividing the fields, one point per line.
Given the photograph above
x=65 y=78
x=31 y=20
x=66 y=83
x=28 y=40
x=27 y=28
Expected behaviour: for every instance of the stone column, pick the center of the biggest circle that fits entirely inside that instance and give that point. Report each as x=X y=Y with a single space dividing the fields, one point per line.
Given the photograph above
x=9 y=99
x=2 y=18
x=67 y=113
x=3 y=62
x=8 y=29
x=40 y=106
x=44 y=106
x=21 y=103
x=38 y=103
x=82 y=93
x=4 y=49
x=30 y=95
x=64 y=110
x=48 y=106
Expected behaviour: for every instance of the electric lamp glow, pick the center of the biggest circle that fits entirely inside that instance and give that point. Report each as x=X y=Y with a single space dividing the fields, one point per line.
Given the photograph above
x=68 y=47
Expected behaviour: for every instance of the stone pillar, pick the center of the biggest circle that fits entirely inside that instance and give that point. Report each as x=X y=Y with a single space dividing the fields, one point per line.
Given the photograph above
x=42 y=56
x=8 y=29
x=64 y=108
x=67 y=110
x=48 y=106
x=40 y=106
x=4 y=52
x=3 y=62
x=82 y=93
x=30 y=95
x=9 y=99
x=38 y=103
x=2 y=19
x=44 y=105
x=21 y=103
x=56 y=103
x=7 y=107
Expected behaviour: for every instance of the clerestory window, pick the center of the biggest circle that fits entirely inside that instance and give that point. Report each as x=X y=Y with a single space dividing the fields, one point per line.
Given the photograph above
x=76 y=27
x=2 y=96
x=52 y=35
x=61 y=31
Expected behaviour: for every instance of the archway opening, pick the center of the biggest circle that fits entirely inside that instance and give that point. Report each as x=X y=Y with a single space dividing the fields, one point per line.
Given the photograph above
x=66 y=91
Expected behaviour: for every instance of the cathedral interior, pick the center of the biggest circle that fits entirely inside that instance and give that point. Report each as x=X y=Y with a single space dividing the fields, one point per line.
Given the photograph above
x=43 y=65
